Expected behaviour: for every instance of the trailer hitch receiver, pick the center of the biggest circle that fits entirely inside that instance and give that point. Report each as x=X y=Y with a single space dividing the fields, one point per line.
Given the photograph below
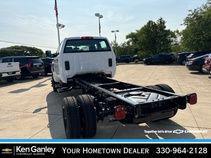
x=120 y=112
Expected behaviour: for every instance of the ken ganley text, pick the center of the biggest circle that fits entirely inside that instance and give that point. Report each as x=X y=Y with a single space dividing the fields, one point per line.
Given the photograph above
x=34 y=149
x=87 y=150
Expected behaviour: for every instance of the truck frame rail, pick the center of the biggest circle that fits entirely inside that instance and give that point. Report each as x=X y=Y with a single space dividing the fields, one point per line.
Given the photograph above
x=135 y=103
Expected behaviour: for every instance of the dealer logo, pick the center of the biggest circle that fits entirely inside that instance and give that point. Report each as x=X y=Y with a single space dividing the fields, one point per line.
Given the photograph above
x=34 y=150
x=6 y=151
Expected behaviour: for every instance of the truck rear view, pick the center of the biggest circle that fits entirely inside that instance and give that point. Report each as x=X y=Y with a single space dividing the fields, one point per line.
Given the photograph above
x=88 y=63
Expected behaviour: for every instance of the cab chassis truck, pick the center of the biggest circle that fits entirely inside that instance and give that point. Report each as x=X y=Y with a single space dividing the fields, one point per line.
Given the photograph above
x=102 y=96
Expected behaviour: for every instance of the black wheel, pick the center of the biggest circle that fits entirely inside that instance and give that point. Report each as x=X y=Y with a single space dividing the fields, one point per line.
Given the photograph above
x=88 y=115
x=18 y=77
x=45 y=72
x=165 y=87
x=183 y=62
x=10 y=79
x=53 y=84
x=22 y=77
x=154 y=87
x=71 y=118
x=34 y=76
x=149 y=63
x=201 y=70
x=136 y=61
x=174 y=112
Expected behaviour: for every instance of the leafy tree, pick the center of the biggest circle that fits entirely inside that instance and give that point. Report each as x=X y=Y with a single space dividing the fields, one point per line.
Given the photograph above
x=152 y=38
x=20 y=50
x=123 y=49
x=197 y=34
x=176 y=44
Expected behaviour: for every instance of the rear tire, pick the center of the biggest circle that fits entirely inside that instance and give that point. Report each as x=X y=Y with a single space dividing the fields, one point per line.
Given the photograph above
x=136 y=61
x=183 y=62
x=10 y=79
x=174 y=111
x=201 y=70
x=35 y=76
x=154 y=87
x=71 y=118
x=167 y=88
x=88 y=115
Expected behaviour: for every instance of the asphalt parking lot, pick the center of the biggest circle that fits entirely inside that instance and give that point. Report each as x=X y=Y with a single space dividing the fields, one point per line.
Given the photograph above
x=29 y=108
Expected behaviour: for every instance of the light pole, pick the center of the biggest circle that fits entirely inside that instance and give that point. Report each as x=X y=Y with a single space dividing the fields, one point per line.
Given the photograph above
x=115 y=38
x=58 y=25
x=99 y=16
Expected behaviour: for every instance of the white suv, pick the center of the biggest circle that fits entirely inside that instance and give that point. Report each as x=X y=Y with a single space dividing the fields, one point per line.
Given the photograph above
x=83 y=55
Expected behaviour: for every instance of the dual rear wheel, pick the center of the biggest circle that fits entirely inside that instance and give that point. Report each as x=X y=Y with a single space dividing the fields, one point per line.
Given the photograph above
x=79 y=117
x=167 y=88
x=163 y=87
x=79 y=114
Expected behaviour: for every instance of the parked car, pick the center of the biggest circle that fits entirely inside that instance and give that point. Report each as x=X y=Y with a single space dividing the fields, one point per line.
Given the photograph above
x=124 y=59
x=196 y=64
x=162 y=58
x=9 y=71
x=47 y=65
x=182 y=57
x=29 y=65
x=136 y=59
x=207 y=65
x=197 y=54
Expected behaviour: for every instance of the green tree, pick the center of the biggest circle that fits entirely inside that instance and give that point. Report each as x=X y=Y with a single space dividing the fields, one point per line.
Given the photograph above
x=176 y=44
x=152 y=38
x=197 y=34
x=20 y=50
x=123 y=49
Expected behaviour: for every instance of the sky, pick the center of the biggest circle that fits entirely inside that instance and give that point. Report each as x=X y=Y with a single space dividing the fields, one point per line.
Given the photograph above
x=33 y=22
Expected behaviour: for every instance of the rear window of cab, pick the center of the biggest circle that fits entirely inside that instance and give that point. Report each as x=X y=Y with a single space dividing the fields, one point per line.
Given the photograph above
x=86 y=45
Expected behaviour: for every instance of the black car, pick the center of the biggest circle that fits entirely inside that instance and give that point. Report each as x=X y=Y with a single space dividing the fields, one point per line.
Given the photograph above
x=29 y=65
x=182 y=57
x=196 y=64
x=197 y=54
x=124 y=59
x=162 y=58
x=136 y=59
x=47 y=65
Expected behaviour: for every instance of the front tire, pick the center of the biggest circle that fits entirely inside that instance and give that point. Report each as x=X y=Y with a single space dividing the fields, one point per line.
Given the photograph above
x=88 y=115
x=71 y=118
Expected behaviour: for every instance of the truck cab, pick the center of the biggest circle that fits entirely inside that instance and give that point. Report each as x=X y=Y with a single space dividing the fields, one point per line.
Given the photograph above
x=83 y=55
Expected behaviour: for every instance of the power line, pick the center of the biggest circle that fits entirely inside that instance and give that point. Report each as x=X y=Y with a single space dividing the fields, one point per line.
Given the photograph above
x=11 y=42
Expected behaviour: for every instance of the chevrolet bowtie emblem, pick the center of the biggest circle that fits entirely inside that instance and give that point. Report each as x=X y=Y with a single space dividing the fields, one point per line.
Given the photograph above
x=6 y=151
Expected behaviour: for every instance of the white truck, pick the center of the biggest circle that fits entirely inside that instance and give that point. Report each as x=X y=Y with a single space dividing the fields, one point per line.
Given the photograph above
x=88 y=64
x=9 y=71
